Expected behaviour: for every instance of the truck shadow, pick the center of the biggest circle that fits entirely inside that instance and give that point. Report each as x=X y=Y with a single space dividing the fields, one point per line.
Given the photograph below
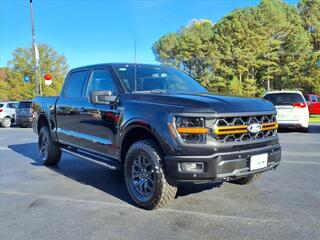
x=110 y=182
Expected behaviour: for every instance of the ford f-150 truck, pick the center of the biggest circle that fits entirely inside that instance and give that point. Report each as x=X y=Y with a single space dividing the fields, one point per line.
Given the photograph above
x=157 y=125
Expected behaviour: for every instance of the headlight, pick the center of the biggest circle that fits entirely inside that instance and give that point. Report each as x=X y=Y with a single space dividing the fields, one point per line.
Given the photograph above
x=191 y=129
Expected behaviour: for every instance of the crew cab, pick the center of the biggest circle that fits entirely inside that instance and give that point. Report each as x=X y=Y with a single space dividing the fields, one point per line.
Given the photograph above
x=159 y=127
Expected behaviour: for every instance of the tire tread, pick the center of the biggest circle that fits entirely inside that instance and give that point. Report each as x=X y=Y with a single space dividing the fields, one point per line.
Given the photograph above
x=167 y=187
x=54 y=153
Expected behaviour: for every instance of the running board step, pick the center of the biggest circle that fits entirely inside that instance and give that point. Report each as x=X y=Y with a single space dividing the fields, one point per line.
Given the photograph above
x=104 y=162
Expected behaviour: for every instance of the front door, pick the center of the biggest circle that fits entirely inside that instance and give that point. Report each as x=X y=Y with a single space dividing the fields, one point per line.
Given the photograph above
x=98 y=122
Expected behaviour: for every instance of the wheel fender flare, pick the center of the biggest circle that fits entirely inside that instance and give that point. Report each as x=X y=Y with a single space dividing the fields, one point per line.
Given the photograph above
x=146 y=125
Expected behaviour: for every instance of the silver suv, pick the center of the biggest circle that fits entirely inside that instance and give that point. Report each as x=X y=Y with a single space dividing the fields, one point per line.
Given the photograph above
x=7 y=113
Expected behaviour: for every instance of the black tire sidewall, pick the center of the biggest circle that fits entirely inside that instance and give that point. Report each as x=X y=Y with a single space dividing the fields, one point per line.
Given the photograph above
x=54 y=153
x=143 y=148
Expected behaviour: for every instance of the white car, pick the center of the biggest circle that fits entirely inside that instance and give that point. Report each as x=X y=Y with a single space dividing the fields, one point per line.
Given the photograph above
x=292 y=109
x=7 y=113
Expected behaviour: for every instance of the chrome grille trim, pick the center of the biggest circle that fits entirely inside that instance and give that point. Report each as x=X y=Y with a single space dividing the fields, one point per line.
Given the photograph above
x=238 y=125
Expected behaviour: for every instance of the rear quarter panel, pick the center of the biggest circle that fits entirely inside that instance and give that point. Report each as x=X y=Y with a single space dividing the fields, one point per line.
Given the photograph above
x=44 y=106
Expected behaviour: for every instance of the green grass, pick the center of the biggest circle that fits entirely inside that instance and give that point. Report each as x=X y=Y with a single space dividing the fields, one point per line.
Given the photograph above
x=315 y=118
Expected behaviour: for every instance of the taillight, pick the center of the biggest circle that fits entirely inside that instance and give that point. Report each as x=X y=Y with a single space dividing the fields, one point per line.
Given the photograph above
x=1 y=110
x=299 y=105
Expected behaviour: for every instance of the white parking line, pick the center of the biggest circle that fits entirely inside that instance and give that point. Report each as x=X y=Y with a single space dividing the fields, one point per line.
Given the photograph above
x=302 y=162
x=301 y=154
x=130 y=207
x=299 y=142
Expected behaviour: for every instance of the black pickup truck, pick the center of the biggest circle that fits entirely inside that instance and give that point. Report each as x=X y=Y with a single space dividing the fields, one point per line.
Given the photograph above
x=157 y=125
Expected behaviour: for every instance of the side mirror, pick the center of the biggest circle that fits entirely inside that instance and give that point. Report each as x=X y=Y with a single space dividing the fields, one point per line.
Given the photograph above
x=102 y=97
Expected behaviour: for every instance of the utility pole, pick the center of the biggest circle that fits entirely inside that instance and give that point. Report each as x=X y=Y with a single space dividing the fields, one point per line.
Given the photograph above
x=36 y=55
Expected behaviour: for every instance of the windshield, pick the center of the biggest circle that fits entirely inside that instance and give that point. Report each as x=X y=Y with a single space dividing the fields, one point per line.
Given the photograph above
x=156 y=79
x=24 y=105
x=284 y=98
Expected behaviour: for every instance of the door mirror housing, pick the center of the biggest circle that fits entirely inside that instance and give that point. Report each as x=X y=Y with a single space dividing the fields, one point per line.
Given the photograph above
x=102 y=97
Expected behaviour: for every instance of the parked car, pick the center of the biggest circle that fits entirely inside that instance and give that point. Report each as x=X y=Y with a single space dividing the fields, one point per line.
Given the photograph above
x=157 y=125
x=291 y=107
x=7 y=113
x=24 y=113
x=313 y=102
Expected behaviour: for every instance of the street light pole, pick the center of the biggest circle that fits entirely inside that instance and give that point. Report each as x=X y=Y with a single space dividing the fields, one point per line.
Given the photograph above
x=36 y=54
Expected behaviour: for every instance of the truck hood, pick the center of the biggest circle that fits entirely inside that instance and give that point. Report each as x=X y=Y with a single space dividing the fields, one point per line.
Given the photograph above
x=206 y=102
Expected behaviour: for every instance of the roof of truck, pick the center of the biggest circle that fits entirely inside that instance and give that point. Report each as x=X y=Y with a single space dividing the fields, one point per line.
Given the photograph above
x=113 y=64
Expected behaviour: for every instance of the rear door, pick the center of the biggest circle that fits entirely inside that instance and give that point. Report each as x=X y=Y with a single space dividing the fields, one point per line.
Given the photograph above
x=98 y=122
x=68 y=105
x=12 y=109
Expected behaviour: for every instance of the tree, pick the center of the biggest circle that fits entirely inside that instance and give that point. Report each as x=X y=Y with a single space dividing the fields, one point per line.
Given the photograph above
x=270 y=46
x=310 y=14
x=190 y=49
x=235 y=87
x=12 y=85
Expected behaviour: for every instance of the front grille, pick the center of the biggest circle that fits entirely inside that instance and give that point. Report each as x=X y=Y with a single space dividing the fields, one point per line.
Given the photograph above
x=235 y=129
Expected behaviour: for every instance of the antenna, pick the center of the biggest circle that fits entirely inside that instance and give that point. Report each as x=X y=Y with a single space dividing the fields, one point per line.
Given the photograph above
x=135 y=51
x=135 y=65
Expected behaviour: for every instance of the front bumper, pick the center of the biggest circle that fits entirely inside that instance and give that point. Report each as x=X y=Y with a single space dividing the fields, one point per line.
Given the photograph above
x=223 y=166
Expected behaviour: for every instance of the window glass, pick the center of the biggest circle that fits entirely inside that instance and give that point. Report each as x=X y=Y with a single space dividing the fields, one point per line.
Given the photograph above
x=1 y=105
x=101 y=79
x=24 y=105
x=306 y=97
x=314 y=99
x=142 y=78
x=284 y=98
x=11 y=105
x=75 y=83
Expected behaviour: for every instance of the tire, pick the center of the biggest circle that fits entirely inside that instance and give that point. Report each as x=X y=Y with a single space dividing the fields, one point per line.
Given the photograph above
x=248 y=179
x=49 y=150
x=145 y=177
x=6 y=122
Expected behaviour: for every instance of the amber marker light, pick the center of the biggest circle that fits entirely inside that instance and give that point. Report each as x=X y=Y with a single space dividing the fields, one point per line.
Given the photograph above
x=193 y=130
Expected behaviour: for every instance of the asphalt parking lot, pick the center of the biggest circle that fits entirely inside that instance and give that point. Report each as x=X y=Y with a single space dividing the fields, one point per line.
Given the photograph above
x=80 y=200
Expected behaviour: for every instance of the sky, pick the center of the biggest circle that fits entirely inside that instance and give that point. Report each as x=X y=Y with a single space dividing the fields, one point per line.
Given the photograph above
x=100 y=31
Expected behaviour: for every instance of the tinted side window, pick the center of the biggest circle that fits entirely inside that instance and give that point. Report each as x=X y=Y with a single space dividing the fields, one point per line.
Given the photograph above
x=102 y=79
x=314 y=99
x=11 y=105
x=75 y=83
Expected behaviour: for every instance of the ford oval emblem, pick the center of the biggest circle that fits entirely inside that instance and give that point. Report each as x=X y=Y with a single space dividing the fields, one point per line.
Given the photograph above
x=255 y=128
